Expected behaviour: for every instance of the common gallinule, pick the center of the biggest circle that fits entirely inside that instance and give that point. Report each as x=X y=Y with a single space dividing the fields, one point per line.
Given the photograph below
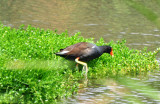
x=83 y=52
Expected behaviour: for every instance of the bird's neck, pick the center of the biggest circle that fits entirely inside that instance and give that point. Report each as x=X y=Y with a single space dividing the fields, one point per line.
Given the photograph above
x=102 y=48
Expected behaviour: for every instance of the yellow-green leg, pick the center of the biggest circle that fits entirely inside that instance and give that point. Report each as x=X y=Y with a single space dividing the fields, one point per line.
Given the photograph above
x=82 y=63
x=77 y=66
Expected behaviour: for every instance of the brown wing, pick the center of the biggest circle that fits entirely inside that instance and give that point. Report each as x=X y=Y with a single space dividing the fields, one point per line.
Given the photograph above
x=79 y=49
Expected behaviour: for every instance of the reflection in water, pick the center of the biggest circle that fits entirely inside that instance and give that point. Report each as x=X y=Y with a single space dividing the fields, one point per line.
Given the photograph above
x=124 y=90
x=110 y=19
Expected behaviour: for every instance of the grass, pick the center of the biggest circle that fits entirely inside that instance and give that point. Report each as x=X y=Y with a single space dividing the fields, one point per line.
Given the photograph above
x=30 y=72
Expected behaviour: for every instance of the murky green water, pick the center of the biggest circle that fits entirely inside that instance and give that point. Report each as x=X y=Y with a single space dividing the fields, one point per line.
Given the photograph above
x=110 y=19
x=137 y=90
x=137 y=21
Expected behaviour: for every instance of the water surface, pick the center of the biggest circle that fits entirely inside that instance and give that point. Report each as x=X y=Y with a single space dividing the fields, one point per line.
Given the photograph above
x=136 y=90
x=110 y=19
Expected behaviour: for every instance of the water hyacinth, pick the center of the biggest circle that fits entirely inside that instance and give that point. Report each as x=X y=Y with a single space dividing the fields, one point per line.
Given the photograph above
x=30 y=72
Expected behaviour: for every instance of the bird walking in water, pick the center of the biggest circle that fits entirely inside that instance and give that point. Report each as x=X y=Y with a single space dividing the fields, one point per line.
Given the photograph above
x=83 y=52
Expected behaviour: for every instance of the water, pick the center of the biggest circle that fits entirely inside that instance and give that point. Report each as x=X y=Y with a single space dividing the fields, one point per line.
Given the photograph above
x=110 y=91
x=110 y=19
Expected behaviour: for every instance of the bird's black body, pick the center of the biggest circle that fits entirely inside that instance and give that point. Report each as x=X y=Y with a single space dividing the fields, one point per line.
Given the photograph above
x=85 y=51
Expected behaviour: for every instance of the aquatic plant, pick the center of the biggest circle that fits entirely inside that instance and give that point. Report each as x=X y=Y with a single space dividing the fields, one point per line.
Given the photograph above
x=30 y=72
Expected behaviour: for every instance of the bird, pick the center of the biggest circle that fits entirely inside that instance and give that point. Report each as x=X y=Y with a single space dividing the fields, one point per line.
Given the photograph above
x=83 y=52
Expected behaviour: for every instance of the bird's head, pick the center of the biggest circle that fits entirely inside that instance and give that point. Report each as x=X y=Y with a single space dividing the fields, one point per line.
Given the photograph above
x=109 y=49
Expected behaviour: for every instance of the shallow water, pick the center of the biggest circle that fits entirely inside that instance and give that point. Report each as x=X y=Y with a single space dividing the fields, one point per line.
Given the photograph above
x=111 y=91
x=110 y=19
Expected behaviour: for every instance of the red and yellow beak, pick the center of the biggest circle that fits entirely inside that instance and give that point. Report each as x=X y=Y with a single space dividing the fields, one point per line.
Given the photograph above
x=111 y=53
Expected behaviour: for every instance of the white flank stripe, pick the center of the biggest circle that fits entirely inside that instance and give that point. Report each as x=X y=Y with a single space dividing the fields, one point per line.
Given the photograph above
x=93 y=46
x=63 y=52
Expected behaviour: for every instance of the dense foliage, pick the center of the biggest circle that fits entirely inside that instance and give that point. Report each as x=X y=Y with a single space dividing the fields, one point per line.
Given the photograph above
x=31 y=72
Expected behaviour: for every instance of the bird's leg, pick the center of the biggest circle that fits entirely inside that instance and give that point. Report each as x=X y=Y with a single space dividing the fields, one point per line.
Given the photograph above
x=77 y=66
x=83 y=68
x=82 y=63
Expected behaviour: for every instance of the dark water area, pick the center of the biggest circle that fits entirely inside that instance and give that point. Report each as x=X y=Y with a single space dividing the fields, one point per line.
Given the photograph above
x=136 y=21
